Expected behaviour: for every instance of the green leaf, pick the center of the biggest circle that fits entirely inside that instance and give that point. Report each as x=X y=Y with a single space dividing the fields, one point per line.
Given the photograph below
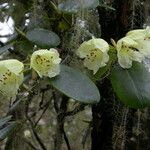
x=5 y=48
x=4 y=120
x=107 y=7
x=14 y=107
x=7 y=130
x=132 y=86
x=24 y=46
x=73 y=6
x=104 y=71
x=76 y=85
x=43 y=38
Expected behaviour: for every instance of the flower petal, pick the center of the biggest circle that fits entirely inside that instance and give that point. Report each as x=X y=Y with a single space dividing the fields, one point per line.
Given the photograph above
x=11 y=77
x=86 y=47
x=54 y=71
x=145 y=50
x=128 y=51
x=138 y=34
x=95 y=53
x=124 y=60
x=13 y=65
x=46 y=62
x=127 y=42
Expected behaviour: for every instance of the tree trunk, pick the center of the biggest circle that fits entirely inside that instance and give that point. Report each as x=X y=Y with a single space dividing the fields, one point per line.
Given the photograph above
x=103 y=119
x=114 y=24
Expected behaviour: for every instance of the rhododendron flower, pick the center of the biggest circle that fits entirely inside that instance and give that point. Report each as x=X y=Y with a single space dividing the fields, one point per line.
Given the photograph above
x=46 y=62
x=137 y=35
x=142 y=37
x=11 y=77
x=94 y=53
x=127 y=51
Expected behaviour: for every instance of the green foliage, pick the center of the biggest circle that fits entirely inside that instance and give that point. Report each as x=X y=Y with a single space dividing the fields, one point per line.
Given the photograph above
x=76 y=85
x=43 y=38
x=7 y=126
x=4 y=120
x=132 y=85
x=7 y=130
x=24 y=46
x=5 y=48
x=63 y=25
x=104 y=71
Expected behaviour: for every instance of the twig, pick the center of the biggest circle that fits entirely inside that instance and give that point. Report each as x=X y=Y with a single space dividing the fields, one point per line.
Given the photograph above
x=66 y=140
x=86 y=134
x=30 y=144
x=46 y=107
x=32 y=124
x=4 y=36
x=20 y=32
x=77 y=109
x=60 y=123
x=55 y=102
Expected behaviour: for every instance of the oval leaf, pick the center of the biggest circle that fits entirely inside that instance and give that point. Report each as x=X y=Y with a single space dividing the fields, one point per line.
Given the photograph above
x=7 y=130
x=43 y=38
x=4 y=120
x=5 y=48
x=76 y=85
x=132 y=86
x=73 y=6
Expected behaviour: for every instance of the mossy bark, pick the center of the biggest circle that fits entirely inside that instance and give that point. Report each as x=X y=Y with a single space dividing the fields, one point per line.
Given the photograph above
x=114 y=24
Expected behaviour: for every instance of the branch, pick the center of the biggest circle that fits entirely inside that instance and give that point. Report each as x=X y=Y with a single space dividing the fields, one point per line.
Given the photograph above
x=5 y=36
x=30 y=144
x=55 y=102
x=46 y=107
x=77 y=109
x=66 y=140
x=31 y=123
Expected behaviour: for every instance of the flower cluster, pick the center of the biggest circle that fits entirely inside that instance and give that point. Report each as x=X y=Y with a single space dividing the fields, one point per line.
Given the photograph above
x=135 y=46
x=44 y=62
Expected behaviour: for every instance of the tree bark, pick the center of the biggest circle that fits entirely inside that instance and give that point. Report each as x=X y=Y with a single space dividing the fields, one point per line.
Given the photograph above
x=103 y=118
x=114 y=24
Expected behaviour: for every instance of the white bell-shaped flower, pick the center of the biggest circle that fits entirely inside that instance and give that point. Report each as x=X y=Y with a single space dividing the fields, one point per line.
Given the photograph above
x=128 y=51
x=94 y=53
x=46 y=62
x=11 y=77
x=142 y=37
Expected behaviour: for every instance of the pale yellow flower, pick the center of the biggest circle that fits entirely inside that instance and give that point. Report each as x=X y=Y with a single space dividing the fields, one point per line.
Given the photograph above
x=46 y=62
x=94 y=53
x=128 y=51
x=11 y=77
x=137 y=35
x=142 y=37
